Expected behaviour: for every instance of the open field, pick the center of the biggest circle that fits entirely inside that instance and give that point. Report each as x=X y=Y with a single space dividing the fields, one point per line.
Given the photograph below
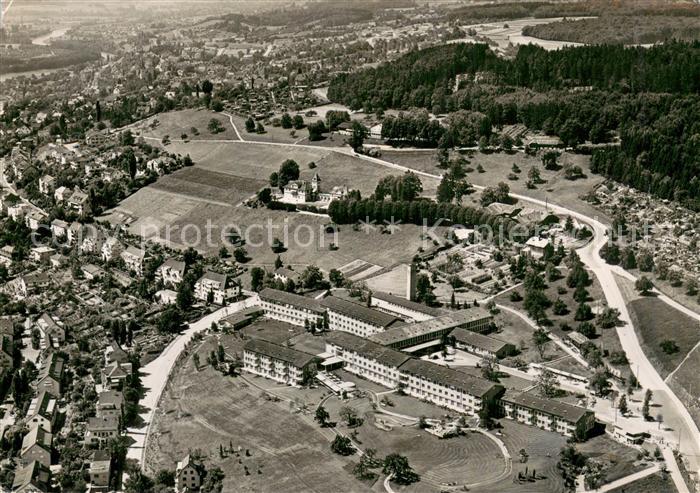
x=176 y=123
x=288 y=449
x=655 y=321
x=497 y=166
x=272 y=134
x=619 y=460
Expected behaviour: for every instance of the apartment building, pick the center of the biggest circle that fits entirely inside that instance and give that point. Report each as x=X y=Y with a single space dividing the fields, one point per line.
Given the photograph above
x=291 y=308
x=279 y=363
x=357 y=319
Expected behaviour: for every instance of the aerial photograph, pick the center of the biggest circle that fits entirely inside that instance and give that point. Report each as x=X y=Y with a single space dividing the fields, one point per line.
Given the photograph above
x=347 y=246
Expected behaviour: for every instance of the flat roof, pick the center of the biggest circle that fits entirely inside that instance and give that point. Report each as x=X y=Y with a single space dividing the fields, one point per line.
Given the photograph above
x=563 y=410
x=297 y=358
x=481 y=341
x=359 y=312
x=368 y=349
x=449 y=377
x=455 y=319
x=293 y=299
x=408 y=304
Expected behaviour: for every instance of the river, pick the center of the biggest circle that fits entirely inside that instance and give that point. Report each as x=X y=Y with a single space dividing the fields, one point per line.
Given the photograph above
x=43 y=40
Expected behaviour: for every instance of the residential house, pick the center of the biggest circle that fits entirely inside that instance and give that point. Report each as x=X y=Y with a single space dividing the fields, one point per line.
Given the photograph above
x=35 y=219
x=100 y=471
x=53 y=333
x=78 y=202
x=50 y=376
x=47 y=184
x=285 y=275
x=291 y=308
x=41 y=254
x=91 y=241
x=61 y=194
x=111 y=249
x=59 y=228
x=114 y=374
x=101 y=429
x=217 y=286
x=92 y=271
x=279 y=363
x=171 y=272
x=6 y=253
x=24 y=286
x=36 y=446
x=188 y=475
x=109 y=403
x=32 y=478
x=43 y=411
x=133 y=258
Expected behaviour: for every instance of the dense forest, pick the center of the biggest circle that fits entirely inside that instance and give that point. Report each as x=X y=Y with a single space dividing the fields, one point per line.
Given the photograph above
x=626 y=29
x=647 y=96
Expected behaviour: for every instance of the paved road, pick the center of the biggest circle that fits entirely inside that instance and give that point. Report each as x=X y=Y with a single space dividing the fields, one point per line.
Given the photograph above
x=157 y=372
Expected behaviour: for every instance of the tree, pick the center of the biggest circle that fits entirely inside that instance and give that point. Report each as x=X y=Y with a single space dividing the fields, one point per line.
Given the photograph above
x=358 y=136
x=312 y=277
x=499 y=193
x=570 y=465
x=669 y=346
x=424 y=290
x=298 y=122
x=646 y=404
x=257 y=275
x=250 y=125
x=547 y=383
x=540 y=340
x=170 y=320
x=336 y=277
x=185 y=296
x=622 y=405
x=207 y=87
x=240 y=255
x=214 y=126
x=342 y=446
x=195 y=360
x=489 y=368
x=397 y=467
x=289 y=171
x=322 y=416
x=550 y=160
x=643 y=285
x=350 y=416
x=316 y=130
x=286 y=120
x=583 y=312
x=599 y=383
x=137 y=482
x=259 y=128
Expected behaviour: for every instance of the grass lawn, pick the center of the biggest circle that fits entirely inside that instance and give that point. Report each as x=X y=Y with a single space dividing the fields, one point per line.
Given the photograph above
x=272 y=134
x=654 y=483
x=619 y=460
x=655 y=321
x=605 y=338
x=542 y=448
x=518 y=332
x=289 y=449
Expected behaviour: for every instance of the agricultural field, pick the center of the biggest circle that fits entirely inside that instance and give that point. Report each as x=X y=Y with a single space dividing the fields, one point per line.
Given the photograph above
x=226 y=174
x=498 y=165
x=287 y=449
